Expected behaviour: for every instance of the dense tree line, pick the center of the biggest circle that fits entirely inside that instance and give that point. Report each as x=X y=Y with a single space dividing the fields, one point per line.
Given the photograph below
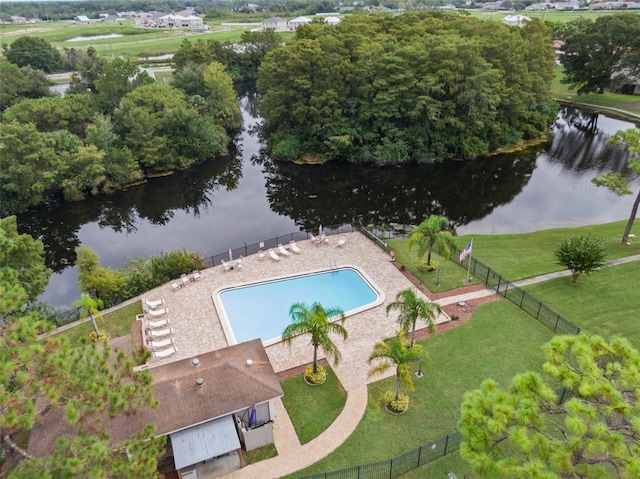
x=115 y=127
x=417 y=87
x=241 y=59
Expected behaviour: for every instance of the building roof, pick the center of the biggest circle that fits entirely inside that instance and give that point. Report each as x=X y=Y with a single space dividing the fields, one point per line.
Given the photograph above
x=274 y=20
x=229 y=385
x=300 y=20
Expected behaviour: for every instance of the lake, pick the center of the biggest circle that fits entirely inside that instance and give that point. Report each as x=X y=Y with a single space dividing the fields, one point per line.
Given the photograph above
x=246 y=198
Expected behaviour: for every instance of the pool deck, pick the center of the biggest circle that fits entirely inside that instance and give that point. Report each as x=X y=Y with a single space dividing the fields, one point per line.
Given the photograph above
x=197 y=328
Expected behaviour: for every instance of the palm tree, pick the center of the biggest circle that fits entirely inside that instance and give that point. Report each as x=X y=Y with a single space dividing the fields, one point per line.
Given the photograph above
x=394 y=353
x=431 y=233
x=411 y=309
x=314 y=320
x=89 y=305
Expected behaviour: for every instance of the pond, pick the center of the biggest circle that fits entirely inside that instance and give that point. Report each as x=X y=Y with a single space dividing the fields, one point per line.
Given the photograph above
x=95 y=37
x=247 y=198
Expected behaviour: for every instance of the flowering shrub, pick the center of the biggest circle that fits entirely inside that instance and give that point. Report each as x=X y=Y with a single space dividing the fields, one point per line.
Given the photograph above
x=97 y=337
x=399 y=406
x=428 y=267
x=318 y=377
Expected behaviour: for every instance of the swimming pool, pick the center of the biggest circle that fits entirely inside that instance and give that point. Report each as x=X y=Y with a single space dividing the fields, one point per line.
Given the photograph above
x=261 y=310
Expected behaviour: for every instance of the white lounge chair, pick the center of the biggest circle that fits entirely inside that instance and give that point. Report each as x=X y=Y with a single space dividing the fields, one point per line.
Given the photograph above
x=225 y=265
x=294 y=247
x=342 y=241
x=154 y=304
x=161 y=343
x=196 y=275
x=158 y=324
x=164 y=353
x=185 y=279
x=175 y=286
x=273 y=255
x=157 y=312
x=283 y=251
x=261 y=255
x=159 y=333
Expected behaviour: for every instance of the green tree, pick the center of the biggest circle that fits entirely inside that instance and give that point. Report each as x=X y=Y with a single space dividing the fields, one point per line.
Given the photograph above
x=431 y=232
x=35 y=52
x=600 y=50
x=28 y=168
x=395 y=353
x=580 y=254
x=90 y=69
x=315 y=321
x=86 y=384
x=221 y=97
x=412 y=308
x=25 y=255
x=616 y=182
x=118 y=77
x=528 y=431
x=90 y=306
x=17 y=83
x=98 y=282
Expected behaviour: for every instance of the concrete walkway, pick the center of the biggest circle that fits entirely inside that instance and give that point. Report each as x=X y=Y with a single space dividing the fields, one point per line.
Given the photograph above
x=292 y=456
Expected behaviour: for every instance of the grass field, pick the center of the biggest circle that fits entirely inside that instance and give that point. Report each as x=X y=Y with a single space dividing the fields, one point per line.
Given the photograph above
x=116 y=323
x=514 y=256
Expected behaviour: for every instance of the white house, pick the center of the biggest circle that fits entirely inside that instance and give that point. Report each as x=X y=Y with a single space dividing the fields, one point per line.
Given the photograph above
x=296 y=22
x=515 y=20
x=332 y=20
x=82 y=19
x=277 y=24
x=180 y=21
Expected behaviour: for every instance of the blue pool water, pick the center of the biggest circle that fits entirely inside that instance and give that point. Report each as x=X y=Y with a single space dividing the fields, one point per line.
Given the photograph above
x=261 y=310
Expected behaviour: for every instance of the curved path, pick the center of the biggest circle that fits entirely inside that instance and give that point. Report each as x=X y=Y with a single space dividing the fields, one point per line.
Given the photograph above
x=292 y=456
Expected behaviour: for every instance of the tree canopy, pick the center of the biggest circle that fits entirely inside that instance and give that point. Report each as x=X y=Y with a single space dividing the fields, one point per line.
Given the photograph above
x=85 y=382
x=589 y=429
x=616 y=182
x=580 y=254
x=117 y=126
x=602 y=53
x=35 y=52
x=415 y=87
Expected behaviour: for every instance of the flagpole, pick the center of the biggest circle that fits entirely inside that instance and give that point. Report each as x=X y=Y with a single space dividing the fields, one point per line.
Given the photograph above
x=469 y=265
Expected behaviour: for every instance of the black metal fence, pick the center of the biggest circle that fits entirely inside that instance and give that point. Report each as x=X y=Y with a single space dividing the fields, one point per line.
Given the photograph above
x=398 y=465
x=521 y=298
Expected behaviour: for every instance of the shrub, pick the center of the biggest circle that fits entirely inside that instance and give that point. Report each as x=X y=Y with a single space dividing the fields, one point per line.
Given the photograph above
x=428 y=267
x=318 y=377
x=399 y=406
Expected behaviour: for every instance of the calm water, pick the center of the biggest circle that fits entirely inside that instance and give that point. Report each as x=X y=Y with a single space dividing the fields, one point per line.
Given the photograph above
x=266 y=313
x=246 y=198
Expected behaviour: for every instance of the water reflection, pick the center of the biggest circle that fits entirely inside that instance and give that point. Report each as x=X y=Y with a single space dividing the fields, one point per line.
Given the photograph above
x=230 y=201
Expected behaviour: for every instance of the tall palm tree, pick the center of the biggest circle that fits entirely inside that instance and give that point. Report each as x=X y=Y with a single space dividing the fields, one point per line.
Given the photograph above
x=395 y=353
x=431 y=232
x=411 y=309
x=315 y=320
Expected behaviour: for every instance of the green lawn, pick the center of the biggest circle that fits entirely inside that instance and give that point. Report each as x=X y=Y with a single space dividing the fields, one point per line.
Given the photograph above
x=514 y=256
x=312 y=409
x=604 y=303
x=459 y=360
x=117 y=323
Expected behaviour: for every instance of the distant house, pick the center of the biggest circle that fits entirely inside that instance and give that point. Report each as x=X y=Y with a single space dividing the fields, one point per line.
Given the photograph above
x=567 y=6
x=633 y=6
x=600 y=6
x=205 y=409
x=515 y=20
x=277 y=24
x=296 y=22
x=331 y=20
x=82 y=19
x=179 y=21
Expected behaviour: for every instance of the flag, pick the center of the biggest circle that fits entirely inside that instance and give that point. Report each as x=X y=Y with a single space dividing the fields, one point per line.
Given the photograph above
x=466 y=252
